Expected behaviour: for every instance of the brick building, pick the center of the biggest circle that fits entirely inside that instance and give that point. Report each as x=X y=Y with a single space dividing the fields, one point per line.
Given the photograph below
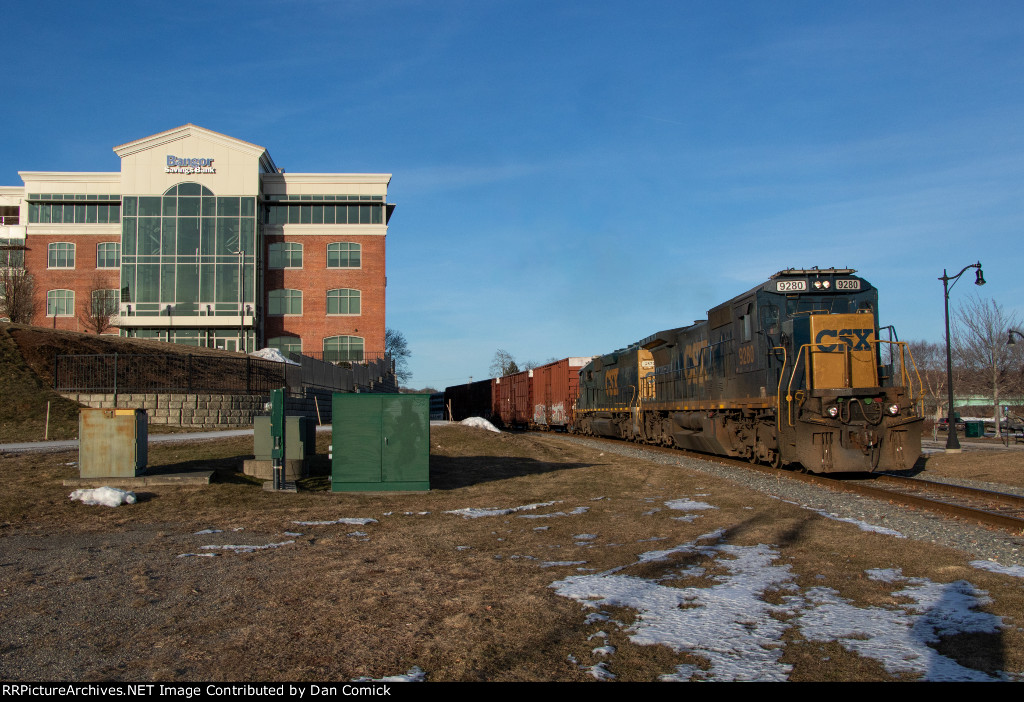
x=201 y=239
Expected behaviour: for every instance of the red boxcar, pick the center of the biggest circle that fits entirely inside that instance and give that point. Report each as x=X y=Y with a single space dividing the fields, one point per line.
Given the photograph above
x=514 y=398
x=555 y=386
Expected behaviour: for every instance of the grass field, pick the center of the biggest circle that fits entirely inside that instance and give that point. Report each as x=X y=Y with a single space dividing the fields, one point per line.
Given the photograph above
x=590 y=566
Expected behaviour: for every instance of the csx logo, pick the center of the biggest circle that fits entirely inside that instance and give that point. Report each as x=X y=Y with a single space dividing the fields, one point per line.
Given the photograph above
x=856 y=339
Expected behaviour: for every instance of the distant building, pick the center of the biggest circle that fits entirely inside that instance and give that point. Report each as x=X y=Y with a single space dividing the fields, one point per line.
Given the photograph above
x=201 y=239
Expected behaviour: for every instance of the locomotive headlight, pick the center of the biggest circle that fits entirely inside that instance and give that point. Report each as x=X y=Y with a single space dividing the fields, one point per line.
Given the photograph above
x=817 y=285
x=826 y=284
x=832 y=411
x=894 y=409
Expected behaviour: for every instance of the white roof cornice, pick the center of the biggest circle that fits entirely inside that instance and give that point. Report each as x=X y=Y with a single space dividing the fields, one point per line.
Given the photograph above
x=69 y=177
x=183 y=132
x=374 y=178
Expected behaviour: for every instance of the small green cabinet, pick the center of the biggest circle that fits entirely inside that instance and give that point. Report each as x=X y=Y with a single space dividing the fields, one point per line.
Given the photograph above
x=380 y=442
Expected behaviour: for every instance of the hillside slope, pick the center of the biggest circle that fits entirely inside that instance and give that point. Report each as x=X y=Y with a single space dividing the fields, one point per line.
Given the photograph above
x=23 y=398
x=27 y=356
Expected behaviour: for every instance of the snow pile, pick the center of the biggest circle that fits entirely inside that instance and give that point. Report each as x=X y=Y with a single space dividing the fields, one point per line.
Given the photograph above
x=273 y=355
x=479 y=423
x=106 y=496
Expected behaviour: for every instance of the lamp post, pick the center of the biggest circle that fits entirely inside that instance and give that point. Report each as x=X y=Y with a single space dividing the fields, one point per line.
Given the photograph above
x=1010 y=341
x=952 y=444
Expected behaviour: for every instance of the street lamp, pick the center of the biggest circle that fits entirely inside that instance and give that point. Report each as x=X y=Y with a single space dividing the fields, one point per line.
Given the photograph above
x=1010 y=340
x=952 y=444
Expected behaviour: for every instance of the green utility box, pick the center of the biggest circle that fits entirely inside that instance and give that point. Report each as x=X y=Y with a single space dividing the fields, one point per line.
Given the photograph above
x=112 y=443
x=380 y=442
x=974 y=430
x=299 y=437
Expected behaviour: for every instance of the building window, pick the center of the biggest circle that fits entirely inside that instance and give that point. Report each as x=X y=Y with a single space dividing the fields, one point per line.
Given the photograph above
x=285 y=255
x=77 y=212
x=286 y=344
x=343 y=348
x=60 y=255
x=104 y=302
x=12 y=252
x=343 y=255
x=108 y=255
x=343 y=301
x=60 y=303
x=284 y=302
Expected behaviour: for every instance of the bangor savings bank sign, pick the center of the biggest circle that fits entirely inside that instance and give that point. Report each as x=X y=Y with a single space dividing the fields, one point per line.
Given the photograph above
x=176 y=164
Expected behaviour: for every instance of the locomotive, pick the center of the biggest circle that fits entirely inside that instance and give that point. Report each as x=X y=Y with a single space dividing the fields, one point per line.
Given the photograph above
x=794 y=371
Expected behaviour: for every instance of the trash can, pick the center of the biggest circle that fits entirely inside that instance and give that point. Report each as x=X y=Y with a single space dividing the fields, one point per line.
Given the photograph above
x=974 y=430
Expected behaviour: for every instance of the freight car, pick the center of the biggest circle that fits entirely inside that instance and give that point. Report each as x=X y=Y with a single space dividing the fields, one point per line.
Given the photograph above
x=795 y=370
x=541 y=398
x=469 y=400
x=555 y=387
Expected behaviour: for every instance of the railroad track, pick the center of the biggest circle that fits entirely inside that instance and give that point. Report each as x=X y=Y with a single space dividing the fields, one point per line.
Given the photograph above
x=987 y=507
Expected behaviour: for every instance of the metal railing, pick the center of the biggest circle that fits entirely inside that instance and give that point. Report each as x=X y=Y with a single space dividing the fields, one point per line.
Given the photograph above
x=175 y=373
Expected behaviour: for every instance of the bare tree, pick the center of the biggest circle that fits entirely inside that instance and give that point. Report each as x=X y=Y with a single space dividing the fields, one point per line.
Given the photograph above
x=503 y=364
x=397 y=347
x=979 y=336
x=17 y=295
x=930 y=362
x=101 y=312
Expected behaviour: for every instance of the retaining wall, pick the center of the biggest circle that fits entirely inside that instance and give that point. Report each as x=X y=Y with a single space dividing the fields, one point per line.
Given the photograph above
x=207 y=410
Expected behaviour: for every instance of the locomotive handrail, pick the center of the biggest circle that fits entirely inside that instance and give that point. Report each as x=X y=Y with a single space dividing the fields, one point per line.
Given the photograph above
x=789 y=387
x=905 y=378
x=778 y=390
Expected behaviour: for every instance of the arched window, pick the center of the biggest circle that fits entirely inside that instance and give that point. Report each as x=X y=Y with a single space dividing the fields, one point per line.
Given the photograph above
x=344 y=254
x=108 y=254
x=285 y=254
x=343 y=301
x=60 y=303
x=60 y=255
x=343 y=348
x=104 y=303
x=284 y=302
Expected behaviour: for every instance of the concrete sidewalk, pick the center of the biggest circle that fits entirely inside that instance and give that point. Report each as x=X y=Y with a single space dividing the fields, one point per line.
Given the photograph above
x=72 y=444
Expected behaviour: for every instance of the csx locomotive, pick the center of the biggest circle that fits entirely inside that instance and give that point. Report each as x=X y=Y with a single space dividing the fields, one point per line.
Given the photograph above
x=795 y=370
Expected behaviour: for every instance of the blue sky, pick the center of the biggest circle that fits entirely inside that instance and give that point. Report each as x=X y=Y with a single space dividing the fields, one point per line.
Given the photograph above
x=573 y=176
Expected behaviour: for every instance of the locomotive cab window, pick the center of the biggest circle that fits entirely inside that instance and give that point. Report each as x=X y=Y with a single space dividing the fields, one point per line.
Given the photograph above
x=745 y=323
x=770 y=319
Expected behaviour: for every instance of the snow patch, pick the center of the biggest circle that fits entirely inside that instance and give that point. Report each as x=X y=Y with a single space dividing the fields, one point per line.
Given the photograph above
x=354 y=521
x=415 y=674
x=725 y=621
x=688 y=505
x=477 y=512
x=1014 y=570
